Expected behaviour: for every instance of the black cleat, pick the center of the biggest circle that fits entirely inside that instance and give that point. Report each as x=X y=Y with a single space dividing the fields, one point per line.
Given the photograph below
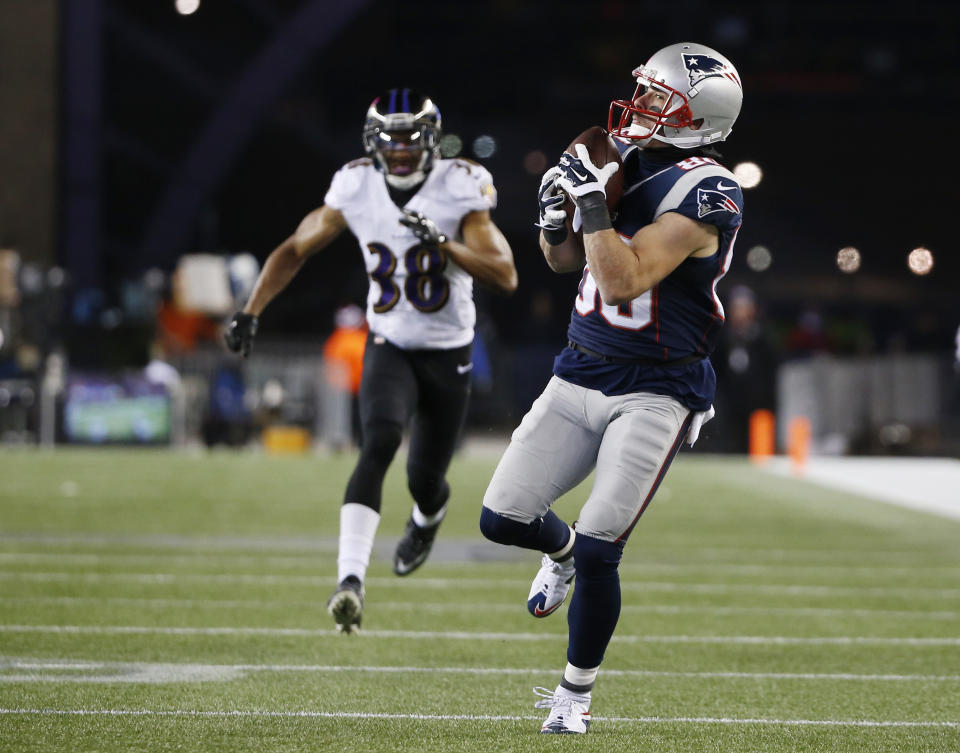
x=413 y=548
x=346 y=605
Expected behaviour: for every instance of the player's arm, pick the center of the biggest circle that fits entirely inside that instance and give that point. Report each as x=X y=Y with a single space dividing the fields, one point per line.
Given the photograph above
x=484 y=253
x=566 y=256
x=562 y=250
x=314 y=233
x=623 y=272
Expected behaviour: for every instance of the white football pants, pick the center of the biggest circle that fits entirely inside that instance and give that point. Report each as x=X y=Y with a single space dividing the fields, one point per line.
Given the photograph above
x=569 y=431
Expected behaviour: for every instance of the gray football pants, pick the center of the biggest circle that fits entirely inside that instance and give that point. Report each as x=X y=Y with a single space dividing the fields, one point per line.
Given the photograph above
x=569 y=431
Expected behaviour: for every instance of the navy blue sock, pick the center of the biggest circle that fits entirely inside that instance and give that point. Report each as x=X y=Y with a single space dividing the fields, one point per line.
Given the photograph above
x=595 y=607
x=546 y=534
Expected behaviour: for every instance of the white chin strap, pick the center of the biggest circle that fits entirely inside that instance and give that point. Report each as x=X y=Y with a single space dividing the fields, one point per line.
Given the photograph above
x=406 y=181
x=683 y=142
x=638 y=131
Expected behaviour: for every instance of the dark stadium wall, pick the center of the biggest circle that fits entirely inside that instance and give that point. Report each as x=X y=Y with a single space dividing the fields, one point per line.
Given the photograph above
x=28 y=127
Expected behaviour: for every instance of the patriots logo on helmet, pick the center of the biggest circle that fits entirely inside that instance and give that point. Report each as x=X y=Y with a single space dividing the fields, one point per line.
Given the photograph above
x=714 y=201
x=701 y=67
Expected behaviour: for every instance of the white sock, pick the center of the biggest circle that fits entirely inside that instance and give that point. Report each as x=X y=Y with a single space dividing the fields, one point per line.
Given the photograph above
x=425 y=521
x=565 y=554
x=358 y=526
x=583 y=678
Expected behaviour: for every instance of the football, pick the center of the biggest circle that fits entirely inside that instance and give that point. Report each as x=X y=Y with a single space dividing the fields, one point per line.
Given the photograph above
x=602 y=150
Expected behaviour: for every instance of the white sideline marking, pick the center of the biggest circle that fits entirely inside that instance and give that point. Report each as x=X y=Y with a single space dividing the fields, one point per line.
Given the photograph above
x=460 y=583
x=147 y=672
x=462 y=635
x=472 y=717
x=446 y=606
x=926 y=484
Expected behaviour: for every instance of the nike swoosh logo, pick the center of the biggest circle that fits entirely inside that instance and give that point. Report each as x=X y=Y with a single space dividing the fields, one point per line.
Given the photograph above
x=721 y=187
x=538 y=612
x=464 y=368
x=582 y=177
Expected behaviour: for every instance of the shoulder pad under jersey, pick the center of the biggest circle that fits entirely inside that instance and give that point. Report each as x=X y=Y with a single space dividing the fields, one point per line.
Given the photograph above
x=348 y=182
x=468 y=182
x=704 y=188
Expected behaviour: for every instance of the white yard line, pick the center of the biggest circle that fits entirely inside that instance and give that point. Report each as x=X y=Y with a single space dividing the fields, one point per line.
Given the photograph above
x=926 y=484
x=240 y=713
x=310 y=547
x=55 y=671
x=113 y=559
x=461 y=583
x=463 y=635
x=308 y=563
x=442 y=607
x=304 y=545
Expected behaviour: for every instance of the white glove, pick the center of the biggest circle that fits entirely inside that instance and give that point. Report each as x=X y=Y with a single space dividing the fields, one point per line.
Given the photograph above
x=699 y=419
x=552 y=213
x=579 y=176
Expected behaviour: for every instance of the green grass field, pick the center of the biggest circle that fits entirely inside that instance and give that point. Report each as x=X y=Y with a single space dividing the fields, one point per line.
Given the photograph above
x=160 y=601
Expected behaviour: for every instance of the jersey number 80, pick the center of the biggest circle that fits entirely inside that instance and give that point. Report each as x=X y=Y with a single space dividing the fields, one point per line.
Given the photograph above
x=634 y=315
x=425 y=286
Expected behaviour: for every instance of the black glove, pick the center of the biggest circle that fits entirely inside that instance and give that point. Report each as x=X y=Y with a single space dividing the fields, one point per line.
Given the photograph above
x=423 y=227
x=240 y=333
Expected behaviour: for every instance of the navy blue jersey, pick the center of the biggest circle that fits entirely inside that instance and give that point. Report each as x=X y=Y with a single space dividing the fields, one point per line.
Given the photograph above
x=680 y=317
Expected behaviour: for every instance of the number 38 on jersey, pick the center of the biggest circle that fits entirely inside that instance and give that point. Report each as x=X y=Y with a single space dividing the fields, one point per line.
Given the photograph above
x=420 y=274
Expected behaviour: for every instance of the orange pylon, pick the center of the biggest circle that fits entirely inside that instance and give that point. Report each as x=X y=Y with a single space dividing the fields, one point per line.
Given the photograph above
x=798 y=442
x=762 y=435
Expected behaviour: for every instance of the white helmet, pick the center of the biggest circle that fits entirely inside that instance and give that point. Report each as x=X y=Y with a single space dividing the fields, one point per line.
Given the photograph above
x=702 y=87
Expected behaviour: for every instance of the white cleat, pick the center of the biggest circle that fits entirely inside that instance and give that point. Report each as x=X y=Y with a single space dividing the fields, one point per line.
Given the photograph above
x=550 y=587
x=569 y=711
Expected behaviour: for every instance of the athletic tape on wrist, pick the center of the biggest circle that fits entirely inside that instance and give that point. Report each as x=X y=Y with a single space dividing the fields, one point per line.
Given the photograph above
x=594 y=212
x=555 y=237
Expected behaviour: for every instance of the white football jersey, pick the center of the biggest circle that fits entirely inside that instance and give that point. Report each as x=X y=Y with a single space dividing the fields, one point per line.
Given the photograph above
x=418 y=298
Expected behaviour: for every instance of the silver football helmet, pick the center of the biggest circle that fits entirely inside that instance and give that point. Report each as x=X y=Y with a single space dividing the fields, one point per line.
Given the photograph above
x=702 y=91
x=402 y=133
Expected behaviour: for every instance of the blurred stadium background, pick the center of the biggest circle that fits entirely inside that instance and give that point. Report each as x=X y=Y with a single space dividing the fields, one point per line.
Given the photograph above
x=153 y=153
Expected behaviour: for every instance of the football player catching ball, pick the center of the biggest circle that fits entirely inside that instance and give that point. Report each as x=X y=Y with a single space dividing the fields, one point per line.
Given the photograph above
x=635 y=379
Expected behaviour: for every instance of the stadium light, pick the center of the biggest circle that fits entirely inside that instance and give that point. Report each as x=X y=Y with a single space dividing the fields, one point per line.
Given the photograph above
x=848 y=260
x=920 y=261
x=748 y=174
x=535 y=162
x=450 y=145
x=759 y=258
x=484 y=146
x=56 y=277
x=186 y=7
